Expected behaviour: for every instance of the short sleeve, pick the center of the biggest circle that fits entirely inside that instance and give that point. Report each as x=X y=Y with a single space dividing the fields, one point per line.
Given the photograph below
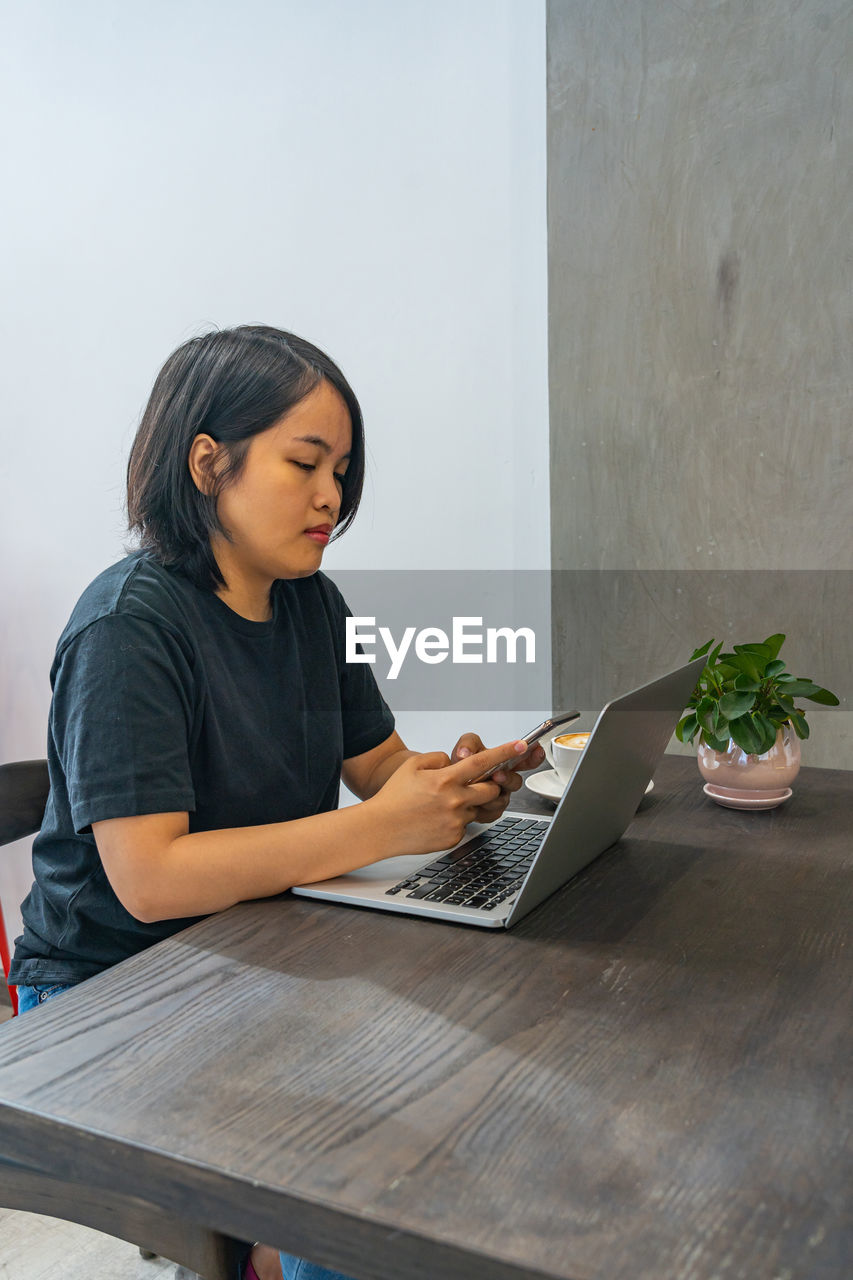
x=121 y=721
x=367 y=718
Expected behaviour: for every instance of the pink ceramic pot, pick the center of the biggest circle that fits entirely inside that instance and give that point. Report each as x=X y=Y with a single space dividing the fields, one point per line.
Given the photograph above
x=772 y=771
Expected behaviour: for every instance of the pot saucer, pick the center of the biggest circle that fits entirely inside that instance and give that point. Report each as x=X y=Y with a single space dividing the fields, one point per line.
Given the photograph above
x=549 y=784
x=732 y=798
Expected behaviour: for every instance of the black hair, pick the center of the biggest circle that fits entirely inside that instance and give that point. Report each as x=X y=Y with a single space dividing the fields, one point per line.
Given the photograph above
x=230 y=384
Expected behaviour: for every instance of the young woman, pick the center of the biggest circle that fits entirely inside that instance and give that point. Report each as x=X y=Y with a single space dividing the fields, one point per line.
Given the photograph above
x=203 y=714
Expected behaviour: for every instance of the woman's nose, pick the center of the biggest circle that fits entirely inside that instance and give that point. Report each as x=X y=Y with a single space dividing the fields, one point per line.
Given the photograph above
x=328 y=493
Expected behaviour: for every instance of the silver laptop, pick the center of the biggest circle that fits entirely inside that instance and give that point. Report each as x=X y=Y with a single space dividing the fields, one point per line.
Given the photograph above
x=499 y=873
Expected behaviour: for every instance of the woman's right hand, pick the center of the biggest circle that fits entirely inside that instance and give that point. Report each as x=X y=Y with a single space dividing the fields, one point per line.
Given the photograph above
x=428 y=802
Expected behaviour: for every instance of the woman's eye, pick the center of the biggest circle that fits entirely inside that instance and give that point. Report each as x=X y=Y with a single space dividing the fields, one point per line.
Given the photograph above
x=311 y=466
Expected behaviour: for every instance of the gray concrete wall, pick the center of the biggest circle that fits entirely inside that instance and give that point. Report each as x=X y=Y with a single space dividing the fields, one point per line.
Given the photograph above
x=701 y=368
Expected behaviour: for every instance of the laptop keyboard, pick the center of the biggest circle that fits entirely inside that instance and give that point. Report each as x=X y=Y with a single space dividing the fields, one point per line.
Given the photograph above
x=483 y=872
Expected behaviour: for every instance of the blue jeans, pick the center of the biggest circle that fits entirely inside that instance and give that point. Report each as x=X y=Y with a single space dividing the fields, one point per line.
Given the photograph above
x=300 y=1269
x=31 y=997
x=292 y=1268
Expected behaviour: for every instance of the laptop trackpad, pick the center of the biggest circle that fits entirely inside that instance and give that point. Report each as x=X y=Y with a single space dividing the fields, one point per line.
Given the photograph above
x=387 y=872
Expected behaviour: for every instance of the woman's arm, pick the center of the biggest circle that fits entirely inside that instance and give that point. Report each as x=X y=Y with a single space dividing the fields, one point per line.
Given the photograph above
x=366 y=774
x=159 y=871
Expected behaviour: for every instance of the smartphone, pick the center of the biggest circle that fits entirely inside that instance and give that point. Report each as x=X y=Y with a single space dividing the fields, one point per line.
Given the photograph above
x=532 y=737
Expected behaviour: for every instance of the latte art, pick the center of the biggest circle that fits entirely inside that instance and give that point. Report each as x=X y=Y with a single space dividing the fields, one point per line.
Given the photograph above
x=575 y=740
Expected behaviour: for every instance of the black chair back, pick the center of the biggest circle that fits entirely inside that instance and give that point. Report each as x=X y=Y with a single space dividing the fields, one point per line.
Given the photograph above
x=24 y=785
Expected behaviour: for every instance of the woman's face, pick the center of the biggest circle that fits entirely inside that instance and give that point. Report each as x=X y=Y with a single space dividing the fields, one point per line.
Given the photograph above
x=285 y=502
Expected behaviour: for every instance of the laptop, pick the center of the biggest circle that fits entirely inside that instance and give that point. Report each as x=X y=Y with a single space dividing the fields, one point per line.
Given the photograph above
x=499 y=873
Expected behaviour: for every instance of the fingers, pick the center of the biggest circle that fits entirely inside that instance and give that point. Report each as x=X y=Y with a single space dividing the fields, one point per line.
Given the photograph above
x=493 y=810
x=474 y=766
x=469 y=744
x=531 y=759
x=431 y=760
x=480 y=793
x=509 y=780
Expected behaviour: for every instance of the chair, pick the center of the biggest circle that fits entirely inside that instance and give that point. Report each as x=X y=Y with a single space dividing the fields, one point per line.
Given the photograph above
x=24 y=786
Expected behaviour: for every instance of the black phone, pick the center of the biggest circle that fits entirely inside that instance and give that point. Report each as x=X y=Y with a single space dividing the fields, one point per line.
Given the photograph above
x=531 y=738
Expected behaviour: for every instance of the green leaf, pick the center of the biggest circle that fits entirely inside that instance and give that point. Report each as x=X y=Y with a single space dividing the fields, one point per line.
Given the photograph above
x=706 y=714
x=746 y=735
x=761 y=651
x=733 y=705
x=687 y=729
x=745 y=684
x=746 y=663
x=768 y=731
x=699 y=652
x=714 y=655
x=716 y=744
x=801 y=727
x=801 y=688
x=774 y=668
x=823 y=696
x=775 y=642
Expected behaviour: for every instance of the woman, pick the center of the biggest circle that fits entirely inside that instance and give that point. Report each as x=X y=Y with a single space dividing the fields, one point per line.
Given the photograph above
x=203 y=714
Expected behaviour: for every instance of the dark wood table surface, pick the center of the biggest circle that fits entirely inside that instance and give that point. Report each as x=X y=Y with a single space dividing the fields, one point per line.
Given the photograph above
x=650 y=1076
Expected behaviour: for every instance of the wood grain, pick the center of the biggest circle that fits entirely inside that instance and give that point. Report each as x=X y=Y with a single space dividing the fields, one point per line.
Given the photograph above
x=649 y=1076
x=201 y=1250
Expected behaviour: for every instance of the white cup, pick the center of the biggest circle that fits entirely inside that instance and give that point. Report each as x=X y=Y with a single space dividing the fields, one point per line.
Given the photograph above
x=564 y=750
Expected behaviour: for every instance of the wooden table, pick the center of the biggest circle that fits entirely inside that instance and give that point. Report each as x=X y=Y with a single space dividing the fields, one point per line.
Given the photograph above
x=649 y=1077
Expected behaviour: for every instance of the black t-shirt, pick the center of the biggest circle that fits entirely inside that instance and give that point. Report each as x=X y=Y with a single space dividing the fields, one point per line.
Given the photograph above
x=165 y=700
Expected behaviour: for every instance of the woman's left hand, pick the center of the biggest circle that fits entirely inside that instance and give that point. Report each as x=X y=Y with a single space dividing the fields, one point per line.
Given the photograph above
x=508 y=778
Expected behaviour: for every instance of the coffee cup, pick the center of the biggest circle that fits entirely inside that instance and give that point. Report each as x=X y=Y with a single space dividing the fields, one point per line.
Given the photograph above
x=564 y=750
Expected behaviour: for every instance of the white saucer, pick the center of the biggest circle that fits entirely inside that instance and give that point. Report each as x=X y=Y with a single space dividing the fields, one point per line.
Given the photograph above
x=550 y=785
x=731 y=798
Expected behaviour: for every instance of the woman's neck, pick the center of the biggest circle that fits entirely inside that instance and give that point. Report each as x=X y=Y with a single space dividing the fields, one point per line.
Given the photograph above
x=254 y=604
x=246 y=594
x=249 y=607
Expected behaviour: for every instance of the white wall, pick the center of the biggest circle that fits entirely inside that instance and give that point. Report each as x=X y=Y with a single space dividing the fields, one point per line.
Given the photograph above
x=371 y=175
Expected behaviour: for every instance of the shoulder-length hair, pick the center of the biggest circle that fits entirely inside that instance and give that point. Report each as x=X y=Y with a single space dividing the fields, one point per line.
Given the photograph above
x=231 y=385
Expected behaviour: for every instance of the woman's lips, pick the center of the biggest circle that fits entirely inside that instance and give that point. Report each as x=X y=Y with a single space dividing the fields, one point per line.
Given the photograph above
x=320 y=534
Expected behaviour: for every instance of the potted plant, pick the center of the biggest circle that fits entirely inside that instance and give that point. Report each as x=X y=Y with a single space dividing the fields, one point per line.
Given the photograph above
x=743 y=711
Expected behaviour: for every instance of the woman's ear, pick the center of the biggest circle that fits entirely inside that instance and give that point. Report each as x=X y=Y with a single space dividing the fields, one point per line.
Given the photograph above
x=202 y=459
